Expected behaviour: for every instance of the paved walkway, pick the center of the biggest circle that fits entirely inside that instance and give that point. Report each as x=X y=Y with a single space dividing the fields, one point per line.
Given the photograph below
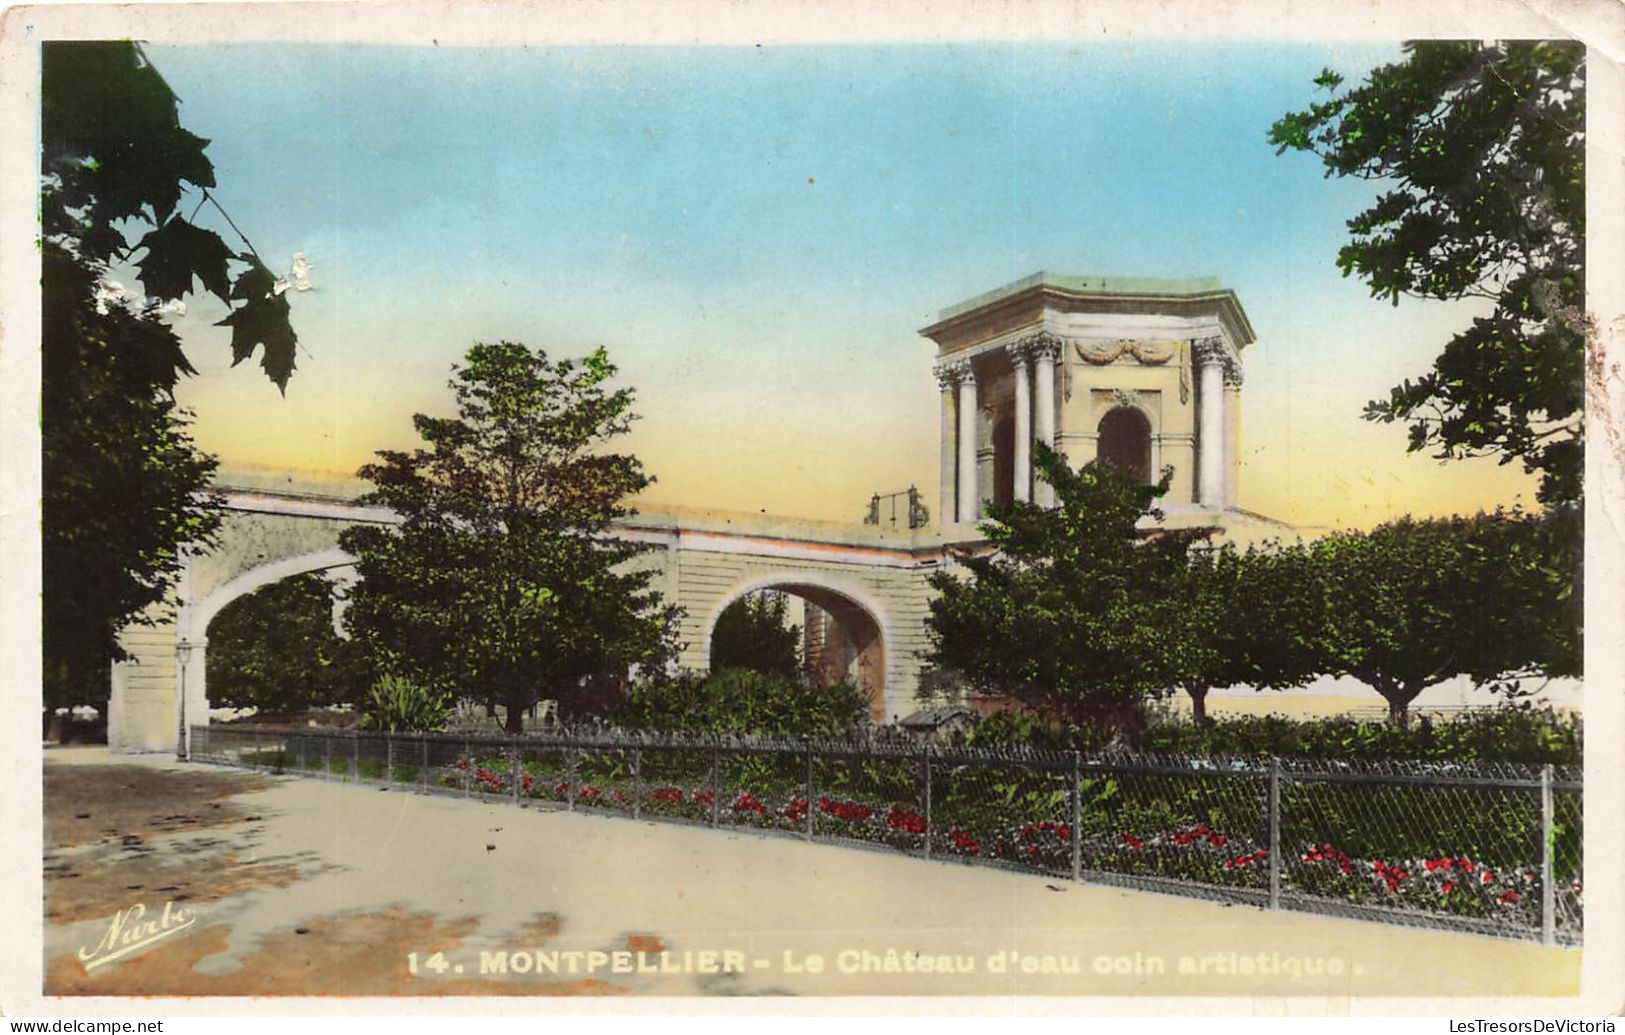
x=307 y=887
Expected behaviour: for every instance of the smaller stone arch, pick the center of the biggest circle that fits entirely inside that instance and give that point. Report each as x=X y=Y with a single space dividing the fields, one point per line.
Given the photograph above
x=1125 y=441
x=860 y=617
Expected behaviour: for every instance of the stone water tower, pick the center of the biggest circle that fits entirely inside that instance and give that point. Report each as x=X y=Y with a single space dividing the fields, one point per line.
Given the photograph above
x=1141 y=372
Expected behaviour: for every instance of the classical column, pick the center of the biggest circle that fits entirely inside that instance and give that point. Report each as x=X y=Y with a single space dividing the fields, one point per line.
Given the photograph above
x=1046 y=352
x=1021 y=466
x=1232 y=432
x=947 y=375
x=1209 y=354
x=970 y=507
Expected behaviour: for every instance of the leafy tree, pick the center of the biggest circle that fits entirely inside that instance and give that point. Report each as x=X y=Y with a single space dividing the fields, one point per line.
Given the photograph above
x=500 y=583
x=1075 y=612
x=117 y=161
x=276 y=650
x=1479 y=149
x=1413 y=603
x=123 y=485
x=1245 y=617
x=752 y=633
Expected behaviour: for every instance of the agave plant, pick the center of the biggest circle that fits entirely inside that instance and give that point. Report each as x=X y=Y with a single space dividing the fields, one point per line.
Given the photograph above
x=397 y=704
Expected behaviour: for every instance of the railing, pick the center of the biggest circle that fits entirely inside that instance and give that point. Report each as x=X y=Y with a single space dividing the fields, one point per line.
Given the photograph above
x=1488 y=848
x=883 y=509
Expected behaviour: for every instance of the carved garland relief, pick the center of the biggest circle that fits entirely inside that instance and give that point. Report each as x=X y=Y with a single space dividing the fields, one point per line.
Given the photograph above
x=1151 y=353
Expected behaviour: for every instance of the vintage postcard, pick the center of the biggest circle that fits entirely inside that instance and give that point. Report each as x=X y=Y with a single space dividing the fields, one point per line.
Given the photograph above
x=1095 y=507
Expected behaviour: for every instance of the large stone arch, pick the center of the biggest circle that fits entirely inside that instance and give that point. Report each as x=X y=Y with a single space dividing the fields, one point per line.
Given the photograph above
x=263 y=537
x=192 y=619
x=862 y=617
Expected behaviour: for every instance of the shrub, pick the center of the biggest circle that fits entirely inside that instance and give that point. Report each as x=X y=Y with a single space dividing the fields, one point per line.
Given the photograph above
x=397 y=704
x=742 y=701
x=1509 y=733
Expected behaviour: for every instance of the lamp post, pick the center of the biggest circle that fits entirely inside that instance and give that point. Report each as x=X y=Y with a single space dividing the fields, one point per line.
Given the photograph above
x=183 y=744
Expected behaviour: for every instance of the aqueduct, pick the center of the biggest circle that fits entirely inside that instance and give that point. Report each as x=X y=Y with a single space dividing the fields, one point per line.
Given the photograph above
x=868 y=580
x=1138 y=372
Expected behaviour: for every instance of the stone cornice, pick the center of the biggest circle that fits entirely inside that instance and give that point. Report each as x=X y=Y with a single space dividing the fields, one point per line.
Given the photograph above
x=1103 y=295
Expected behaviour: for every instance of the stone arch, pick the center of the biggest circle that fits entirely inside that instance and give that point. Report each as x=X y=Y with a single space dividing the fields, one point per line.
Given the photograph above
x=1125 y=441
x=192 y=620
x=860 y=616
x=196 y=616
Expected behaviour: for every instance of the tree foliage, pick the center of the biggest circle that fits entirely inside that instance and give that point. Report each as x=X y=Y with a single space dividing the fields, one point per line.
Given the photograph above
x=276 y=650
x=1413 y=603
x=123 y=485
x=117 y=163
x=752 y=633
x=1075 y=612
x=1479 y=152
x=1245 y=618
x=500 y=582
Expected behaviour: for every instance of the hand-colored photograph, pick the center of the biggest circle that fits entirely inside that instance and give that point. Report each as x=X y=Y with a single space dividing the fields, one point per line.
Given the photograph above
x=908 y=519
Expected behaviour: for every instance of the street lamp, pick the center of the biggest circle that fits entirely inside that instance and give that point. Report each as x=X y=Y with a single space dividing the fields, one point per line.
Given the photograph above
x=183 y=744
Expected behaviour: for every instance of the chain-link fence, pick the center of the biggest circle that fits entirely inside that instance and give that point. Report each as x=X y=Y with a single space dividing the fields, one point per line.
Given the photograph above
x=1489 y=848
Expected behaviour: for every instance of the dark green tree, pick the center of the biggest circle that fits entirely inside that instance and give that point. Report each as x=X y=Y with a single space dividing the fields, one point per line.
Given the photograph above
x=752 y=633
x=1479 y=152
x=1075 y=612
x=118 y=164
x=123 y=486
x=276 y=650
x=500 y=583
x=1246 y=618
x=1413 y=603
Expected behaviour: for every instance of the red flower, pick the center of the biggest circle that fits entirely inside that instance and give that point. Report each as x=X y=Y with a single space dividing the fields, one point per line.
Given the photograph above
x=1447 y=887
x=1130 y=840
x=1508 y=897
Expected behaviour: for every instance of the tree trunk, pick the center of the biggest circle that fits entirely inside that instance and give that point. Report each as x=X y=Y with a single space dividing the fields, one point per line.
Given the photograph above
x=1399 y=699
x=514 y=723
x=1198 y=696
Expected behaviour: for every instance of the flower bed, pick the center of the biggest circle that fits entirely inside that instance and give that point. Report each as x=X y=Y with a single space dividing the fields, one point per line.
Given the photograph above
x=1156 y=846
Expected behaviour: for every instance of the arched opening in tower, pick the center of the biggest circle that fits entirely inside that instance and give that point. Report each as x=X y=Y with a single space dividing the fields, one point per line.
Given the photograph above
x=1125 y=442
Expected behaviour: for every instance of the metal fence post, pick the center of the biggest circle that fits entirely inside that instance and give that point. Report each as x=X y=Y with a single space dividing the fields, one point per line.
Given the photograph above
x=928 y=828
x=1077 y=817
x=637 y=782
x=1548 y=893
x=570 y=767
x=467 y=768
x=713 y=781
x=355 y=758
x=423 y=756
x=327 y=756
x=809 y=789
x=389 y=759
x=1275 y=833
x=299 y=756
x=514 y=771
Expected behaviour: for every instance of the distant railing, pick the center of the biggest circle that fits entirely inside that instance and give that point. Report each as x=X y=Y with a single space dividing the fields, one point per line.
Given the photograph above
x=884 y=508
x=1483 y=847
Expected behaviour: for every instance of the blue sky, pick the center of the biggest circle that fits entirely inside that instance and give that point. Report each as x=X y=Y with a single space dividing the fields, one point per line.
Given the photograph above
x=757 y=233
